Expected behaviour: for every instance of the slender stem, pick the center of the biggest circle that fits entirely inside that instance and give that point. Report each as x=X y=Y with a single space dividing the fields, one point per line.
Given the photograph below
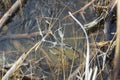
x=88 y=49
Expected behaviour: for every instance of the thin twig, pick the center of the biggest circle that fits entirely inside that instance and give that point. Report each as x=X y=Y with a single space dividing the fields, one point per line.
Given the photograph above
x=19 y=36
x=81 y=9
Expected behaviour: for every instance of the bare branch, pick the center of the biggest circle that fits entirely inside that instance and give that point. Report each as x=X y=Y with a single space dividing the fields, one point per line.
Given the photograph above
x=9 y=13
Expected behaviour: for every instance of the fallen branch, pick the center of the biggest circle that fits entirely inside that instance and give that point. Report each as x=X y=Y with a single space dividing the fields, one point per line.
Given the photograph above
x=9 y=13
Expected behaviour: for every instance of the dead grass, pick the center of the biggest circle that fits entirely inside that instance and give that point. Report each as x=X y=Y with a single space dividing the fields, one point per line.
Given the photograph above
x=52 y=46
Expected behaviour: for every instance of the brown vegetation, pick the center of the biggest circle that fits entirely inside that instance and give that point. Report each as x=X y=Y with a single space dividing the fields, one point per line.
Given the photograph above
x=39 y=40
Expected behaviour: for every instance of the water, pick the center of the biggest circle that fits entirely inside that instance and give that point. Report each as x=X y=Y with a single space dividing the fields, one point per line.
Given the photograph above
x=39 y=15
